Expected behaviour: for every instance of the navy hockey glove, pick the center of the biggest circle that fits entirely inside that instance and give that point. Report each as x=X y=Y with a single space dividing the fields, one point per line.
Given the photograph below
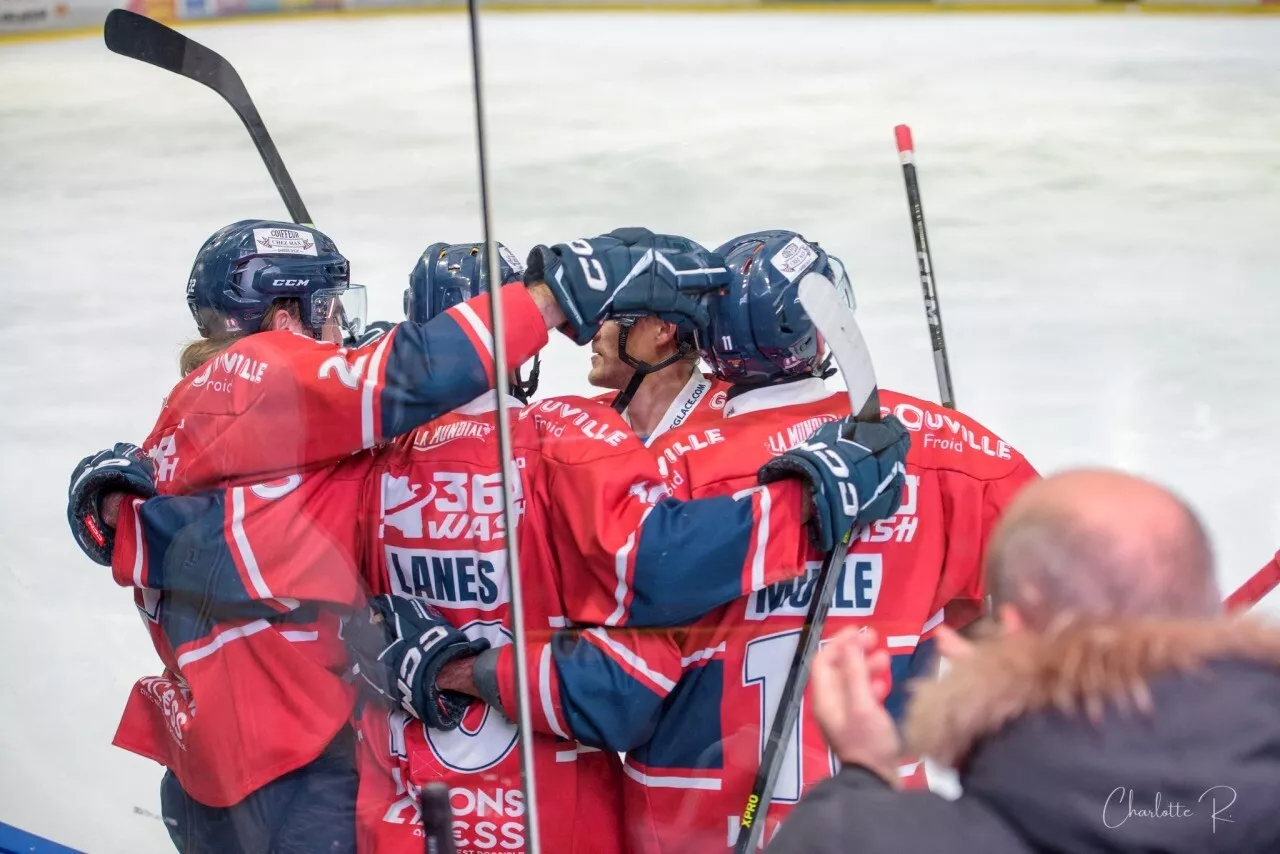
x=398 y=646
x=373 y=332
x=627 y=271
x=855 y=471
x=123 y=468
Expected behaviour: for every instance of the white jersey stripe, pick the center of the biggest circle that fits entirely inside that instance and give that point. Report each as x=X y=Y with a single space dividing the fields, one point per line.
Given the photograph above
x=762 y=533
x=702 y=654
x=368 y=437
x=477 y=325
x=222 y=640
x=244 y=631
x=544 y=692
x=242 y=545
x=138 y=563
x=934 y=621
x=620 y=592
x=671 y=781
x=632 y=659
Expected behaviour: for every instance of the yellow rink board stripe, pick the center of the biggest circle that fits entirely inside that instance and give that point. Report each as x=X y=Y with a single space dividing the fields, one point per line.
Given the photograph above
x=836 y=7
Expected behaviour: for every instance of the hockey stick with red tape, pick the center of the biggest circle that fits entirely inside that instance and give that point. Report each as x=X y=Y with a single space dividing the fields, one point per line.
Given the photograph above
x=835 y=321
x=1256 y=588
x=139 y=37
x=932 y=310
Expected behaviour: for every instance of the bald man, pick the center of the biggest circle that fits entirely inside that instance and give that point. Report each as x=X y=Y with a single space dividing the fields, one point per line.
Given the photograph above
x=1114 y=708
x=1099 y=545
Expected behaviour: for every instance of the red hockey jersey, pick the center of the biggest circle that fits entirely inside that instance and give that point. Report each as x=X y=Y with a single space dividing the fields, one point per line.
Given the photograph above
x=596 y=538
x=700 y=394
x=696 y=704
x=688 y=784
x=439 y=534
x=243 y=613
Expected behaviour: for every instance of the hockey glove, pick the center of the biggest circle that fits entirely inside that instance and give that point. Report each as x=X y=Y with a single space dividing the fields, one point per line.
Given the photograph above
x=123 y=468
x=373 y=332
x=855 y=471
x=627 y=271
x=398 y=646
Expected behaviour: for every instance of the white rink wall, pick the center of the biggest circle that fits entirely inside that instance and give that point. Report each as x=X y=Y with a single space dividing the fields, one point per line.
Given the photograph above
x=25 y=17
x=1102 y=194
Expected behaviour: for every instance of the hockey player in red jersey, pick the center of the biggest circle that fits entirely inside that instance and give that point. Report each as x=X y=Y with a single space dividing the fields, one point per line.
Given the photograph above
x=693 y=707
x=438 y=538
x=566 y=537
x=650 y=366
x=565 y=540
x=250 y=713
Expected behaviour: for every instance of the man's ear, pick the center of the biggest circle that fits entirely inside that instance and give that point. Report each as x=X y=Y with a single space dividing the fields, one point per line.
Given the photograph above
x=667 y=333
x=281 y=319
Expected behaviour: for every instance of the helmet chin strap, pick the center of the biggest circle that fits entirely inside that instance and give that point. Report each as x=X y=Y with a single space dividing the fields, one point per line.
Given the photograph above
x=642 y=369
x=825 y=369
x=523 y=388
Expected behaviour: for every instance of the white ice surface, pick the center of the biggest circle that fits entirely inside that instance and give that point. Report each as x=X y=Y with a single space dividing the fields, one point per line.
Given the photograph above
x=1101 y=192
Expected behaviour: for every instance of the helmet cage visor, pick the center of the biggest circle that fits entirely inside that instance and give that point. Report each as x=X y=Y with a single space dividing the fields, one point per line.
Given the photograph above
x=346 y=307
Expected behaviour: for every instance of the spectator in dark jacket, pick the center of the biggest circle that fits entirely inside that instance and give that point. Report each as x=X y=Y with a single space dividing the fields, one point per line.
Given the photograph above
x=1116 y=709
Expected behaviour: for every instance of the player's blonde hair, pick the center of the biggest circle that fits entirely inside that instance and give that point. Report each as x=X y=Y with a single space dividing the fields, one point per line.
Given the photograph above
x=201 y=350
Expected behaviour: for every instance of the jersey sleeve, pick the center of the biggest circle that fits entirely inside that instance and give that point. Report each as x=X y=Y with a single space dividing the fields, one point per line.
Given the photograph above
x=629 y=554
x=247 y=552
x=971 y=507
x=436 y=367
x=602 y=687
x=339 y=401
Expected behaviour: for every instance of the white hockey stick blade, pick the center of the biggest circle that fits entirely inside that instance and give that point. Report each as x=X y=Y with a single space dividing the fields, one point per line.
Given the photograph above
x=834 y=319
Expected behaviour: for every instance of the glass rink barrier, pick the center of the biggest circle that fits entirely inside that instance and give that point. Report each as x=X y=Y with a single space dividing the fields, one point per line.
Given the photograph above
x=499 y=497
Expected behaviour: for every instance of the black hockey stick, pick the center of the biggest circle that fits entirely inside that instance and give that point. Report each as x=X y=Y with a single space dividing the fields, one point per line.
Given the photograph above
x=138 y=37
x=932 y=310
x=502 y=385
x=834 y=319
x=437 y=819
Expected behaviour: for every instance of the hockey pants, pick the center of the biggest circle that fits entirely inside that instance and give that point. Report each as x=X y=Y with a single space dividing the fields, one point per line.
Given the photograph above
x=308 y=810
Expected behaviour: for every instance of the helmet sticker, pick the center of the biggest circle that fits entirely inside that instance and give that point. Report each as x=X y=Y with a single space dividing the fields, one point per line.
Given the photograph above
x=510 y=257
x=284 y=241
x=794 y=258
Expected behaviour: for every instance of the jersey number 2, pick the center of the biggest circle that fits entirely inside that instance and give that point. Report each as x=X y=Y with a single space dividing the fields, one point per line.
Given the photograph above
x=348 y=373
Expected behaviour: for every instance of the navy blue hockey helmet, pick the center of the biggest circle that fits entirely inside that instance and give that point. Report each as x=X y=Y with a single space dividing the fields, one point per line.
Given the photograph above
x=447 y=274
x=758 y=331
x=243 y=267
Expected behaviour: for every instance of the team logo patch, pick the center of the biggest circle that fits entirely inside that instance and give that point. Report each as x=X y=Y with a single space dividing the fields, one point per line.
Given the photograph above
x=284 y=241
x=794 y=258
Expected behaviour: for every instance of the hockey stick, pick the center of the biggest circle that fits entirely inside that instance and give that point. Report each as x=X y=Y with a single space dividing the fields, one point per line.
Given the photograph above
x=501 y=372
x=1256 y=588
x=138 y=37
x=835 y=321
x=437 y=819
x=932 y=311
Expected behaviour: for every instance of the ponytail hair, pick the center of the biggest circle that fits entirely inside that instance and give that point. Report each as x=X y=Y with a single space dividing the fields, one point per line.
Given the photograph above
x=200 y=350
